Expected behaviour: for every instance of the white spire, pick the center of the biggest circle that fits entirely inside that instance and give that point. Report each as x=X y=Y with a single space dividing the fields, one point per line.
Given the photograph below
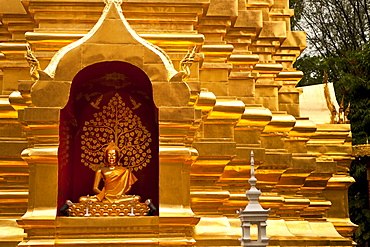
x=253 y=214
x=253 y=193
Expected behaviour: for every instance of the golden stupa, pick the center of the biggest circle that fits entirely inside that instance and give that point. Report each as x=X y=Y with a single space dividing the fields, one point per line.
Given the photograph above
x=187 y=89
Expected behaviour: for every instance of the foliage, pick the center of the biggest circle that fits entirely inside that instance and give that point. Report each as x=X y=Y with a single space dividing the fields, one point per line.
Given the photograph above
x=338 y=37
x=335 y=27
x=298 y=6
x=313 y=69
x=351 y=75
x=338 y=33
x=358 y=199
x=354 y=84
x=353 y=81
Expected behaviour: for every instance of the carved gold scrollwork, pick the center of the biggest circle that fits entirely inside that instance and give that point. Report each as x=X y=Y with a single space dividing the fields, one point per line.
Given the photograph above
x=34 y=64
x=186 y=63
x=337 y=117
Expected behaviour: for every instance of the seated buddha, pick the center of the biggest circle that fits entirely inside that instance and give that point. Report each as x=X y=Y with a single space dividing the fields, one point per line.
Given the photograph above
x=117 y=180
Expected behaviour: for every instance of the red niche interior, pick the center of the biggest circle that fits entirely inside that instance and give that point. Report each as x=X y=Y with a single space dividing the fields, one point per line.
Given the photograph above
x=90 y=120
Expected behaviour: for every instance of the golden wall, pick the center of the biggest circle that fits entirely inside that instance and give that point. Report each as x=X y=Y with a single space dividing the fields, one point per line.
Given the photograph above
x=240 y=97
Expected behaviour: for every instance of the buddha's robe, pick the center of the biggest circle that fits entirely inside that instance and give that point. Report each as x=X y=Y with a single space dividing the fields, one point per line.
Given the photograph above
x=117 y=183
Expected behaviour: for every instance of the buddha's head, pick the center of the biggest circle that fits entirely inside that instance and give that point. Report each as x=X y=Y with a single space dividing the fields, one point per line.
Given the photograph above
x=112 y=154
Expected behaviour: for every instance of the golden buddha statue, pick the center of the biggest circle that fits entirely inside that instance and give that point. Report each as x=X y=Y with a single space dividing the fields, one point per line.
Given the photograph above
x=117 y=180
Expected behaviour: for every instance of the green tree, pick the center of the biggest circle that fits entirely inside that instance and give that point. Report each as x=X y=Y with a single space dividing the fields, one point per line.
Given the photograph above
x=338 y=37
x=298 y=6
x=354 y=83
x=313 y=69
x=358 y=201
x=334 y=27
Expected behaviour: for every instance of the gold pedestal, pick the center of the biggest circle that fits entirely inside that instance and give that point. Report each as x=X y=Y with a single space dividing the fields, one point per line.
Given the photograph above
x=93 y=231
x=101 y=209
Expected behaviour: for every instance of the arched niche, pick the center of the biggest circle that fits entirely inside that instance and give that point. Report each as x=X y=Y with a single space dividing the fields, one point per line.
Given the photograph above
x=103 y=96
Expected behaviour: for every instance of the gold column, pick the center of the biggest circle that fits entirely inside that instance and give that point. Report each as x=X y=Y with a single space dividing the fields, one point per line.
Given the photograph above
x=176 y=218
x=14 y=66
x=216 y=147
x=277 y=159
x=330 y=144
x=14 y=173
x=286 y=54
x=247 y=137
x=292 y=180
x=42 y=159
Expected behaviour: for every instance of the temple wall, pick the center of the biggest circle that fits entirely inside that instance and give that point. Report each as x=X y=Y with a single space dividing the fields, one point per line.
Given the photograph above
x=240 y=97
